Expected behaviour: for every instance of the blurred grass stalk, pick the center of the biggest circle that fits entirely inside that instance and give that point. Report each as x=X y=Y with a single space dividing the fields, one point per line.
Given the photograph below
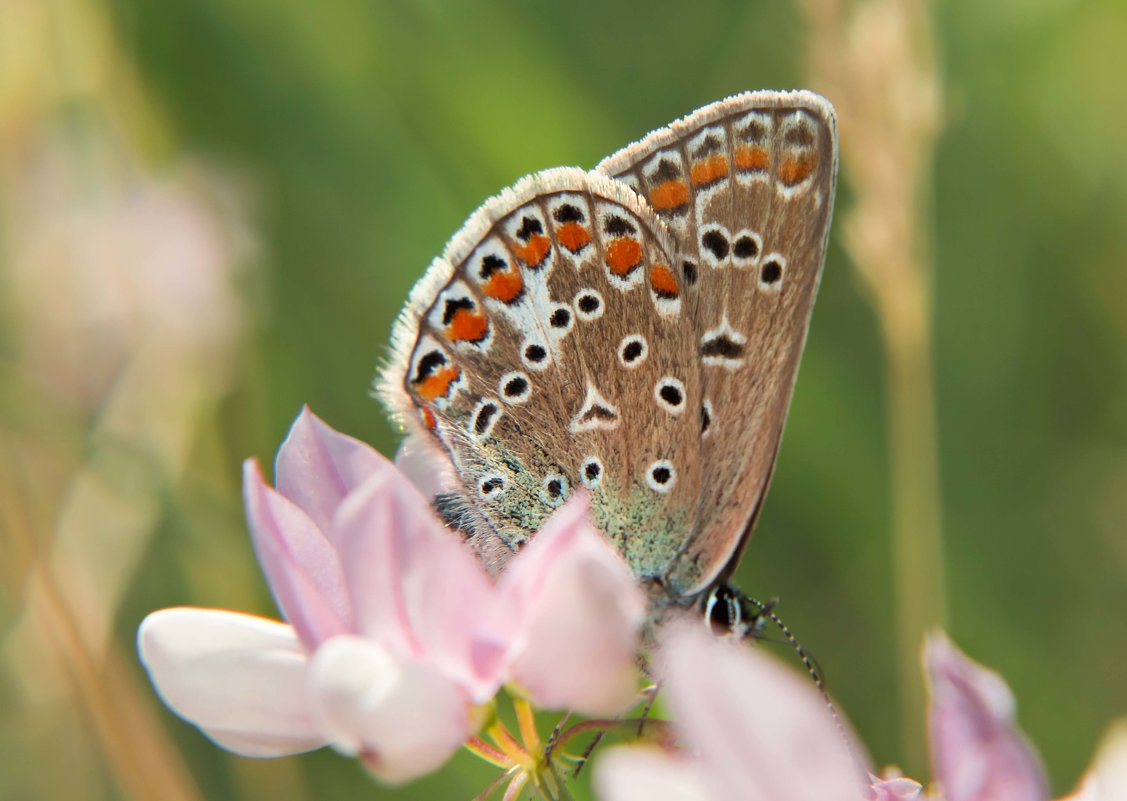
x=121 y=322
x=875 y=59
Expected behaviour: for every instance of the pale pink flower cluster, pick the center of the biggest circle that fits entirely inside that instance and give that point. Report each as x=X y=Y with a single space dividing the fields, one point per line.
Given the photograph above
x=395 y=637
x=397 y=641
x=760 y=733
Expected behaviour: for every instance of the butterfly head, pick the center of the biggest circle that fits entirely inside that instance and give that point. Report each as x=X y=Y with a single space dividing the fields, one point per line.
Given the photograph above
x=728 y=612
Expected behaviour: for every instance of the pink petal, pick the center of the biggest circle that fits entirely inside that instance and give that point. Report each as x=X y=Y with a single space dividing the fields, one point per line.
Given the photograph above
x=415 y=587
x=897 y=789
x=318 y=466
x=301 y=565
x=762 y=732
x=580 y=613
x=240 y=678
x=977 y=751
x=640 y=773
x=425 y=466
x=404 y=719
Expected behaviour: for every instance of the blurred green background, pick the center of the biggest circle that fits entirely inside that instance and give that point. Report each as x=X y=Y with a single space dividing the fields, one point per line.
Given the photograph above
x=212 y=210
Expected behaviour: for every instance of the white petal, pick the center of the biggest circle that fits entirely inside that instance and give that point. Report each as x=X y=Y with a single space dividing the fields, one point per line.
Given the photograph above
x=240 y=678
x=404 y=719
x=640 y=773
x=1106 y=780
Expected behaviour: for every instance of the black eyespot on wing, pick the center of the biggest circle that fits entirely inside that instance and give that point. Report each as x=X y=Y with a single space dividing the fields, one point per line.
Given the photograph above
x=671 y=395
x=666 y=171
x=428 y=364
x=710 y=145
x=745 y=248
x=598 y=412
x=491 y=485
x=560 y=318
x=528 y=227
x=516 y=387
x=535 y=353
x=588 y=304
x=716 y=243
x=619 y=226
x=799 y=135
x=722 y=346
x=492 y=264
x=755 y=131
x=631 y=351
x=568 y=213
x=453 y=306
x=484 y=417
x=592 y=470
x=689 y=271
x=554 y=488
x=705 y=419
x=772 y=271
x=661 y=474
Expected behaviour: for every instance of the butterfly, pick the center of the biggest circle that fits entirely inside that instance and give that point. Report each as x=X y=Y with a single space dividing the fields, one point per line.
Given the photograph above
x=634 y=331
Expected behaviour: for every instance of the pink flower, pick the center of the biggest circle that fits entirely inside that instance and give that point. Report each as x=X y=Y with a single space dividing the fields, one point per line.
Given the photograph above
x=758 y=733
x=977 y=751
x=395 y=633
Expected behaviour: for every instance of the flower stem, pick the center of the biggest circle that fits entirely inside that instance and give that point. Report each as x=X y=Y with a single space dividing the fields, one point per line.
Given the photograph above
x=478 y=747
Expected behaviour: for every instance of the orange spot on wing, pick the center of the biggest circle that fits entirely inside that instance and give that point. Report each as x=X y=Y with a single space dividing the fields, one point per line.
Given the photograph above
x=573 y=236
x=623 y=255
x=796 y=169
x=428 y=419
x=669 y=195
x=437 y=384
x=534 y=252
x=663 y=281
x=752 y=157
x=467 y=326
x=504 y=286
x=710 y=170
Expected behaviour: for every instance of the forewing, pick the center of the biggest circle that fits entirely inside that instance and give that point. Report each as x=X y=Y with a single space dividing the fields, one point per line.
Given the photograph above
x=746 y=185
x=548 y=350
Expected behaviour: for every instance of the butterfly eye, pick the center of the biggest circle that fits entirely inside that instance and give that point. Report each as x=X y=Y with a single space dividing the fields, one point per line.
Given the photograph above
x=724 y=612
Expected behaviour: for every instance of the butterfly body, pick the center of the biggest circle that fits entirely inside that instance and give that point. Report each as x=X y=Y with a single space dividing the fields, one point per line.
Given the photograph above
x=634 y=331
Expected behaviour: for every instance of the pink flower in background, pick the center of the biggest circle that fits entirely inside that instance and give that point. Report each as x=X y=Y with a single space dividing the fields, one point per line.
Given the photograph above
x=977 y=751
x=395 y=634
x=758 y=733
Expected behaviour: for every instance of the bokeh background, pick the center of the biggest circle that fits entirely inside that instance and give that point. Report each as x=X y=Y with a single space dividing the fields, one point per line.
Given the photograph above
x=211 y=210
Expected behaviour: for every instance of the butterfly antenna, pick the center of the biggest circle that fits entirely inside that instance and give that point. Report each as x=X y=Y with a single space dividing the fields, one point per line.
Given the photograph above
x=767 y=610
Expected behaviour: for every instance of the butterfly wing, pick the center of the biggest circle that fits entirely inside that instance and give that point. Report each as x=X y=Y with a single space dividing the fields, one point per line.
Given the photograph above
x=746 y=186
x=544 y=351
